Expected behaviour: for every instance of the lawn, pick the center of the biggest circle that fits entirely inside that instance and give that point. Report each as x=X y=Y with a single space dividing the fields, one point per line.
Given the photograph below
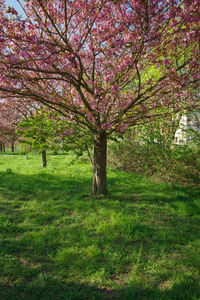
x=57 y=242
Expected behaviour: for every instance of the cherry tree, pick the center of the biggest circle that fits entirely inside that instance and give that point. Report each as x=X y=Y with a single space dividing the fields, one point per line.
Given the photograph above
x=11 y=113
x=89 y=61
x=8 y=124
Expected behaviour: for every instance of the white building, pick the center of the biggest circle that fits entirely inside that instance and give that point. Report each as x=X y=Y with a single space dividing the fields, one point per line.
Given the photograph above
x=187 y=122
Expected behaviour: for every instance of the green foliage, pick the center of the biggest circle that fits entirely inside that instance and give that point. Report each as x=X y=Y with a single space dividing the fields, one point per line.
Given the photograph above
x=37 y=131
x=145 y=156
x=58 y=242
x=49 y=130
x=150 y=150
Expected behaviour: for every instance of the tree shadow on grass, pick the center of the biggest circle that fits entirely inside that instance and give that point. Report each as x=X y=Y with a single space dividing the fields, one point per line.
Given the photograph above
x=134 y=186
x=23 y=188
x=127 y=187
x=38 y=210
x=187 y=289
x=67 y=195
x=46 y=288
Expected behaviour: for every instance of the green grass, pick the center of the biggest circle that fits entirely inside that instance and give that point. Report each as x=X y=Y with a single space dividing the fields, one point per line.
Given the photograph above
x=57 y=242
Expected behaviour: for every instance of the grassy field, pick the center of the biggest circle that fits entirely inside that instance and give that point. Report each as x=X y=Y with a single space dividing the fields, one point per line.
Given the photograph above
x=58 y=242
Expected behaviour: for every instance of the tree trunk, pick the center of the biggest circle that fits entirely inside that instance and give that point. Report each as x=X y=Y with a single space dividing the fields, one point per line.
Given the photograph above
x=12 y=147
x=4 y=147
x=61 y=148
x=44 y=159
x=99 y=165
x=1 y=147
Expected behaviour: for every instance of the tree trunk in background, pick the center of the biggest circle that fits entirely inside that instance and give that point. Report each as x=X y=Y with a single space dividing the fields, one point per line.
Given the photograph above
x=4 y=147
x=44 y=159
x=99 y=166
x=12 y=147
x=1 y=147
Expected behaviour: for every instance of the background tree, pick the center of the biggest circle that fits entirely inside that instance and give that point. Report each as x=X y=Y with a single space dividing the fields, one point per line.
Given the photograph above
x=12 y=112
x=9 y=117
x=87 y=60
x=36 y=130
x=45 y=130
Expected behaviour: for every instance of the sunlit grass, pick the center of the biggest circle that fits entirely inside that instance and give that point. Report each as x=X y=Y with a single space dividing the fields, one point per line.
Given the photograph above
x=58 y=242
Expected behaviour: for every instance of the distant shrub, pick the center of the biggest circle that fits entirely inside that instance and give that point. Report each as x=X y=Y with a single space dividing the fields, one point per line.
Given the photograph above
x=22 y=153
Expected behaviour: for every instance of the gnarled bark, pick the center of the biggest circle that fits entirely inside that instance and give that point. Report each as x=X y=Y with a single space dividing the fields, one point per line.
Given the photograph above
x=99 y=164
